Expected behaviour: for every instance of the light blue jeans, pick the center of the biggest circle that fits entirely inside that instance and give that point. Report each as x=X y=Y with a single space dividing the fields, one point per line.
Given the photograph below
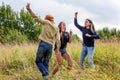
x=87 y=51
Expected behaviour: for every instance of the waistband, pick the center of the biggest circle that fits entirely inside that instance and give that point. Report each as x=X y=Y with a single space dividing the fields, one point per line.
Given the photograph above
x=45 y=43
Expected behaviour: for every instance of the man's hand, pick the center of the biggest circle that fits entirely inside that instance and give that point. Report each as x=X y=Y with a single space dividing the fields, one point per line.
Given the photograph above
x=87 y=35
x=28 y=6
x=76 y=13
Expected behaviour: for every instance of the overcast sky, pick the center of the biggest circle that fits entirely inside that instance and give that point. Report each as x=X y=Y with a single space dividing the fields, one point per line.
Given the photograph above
x=102 y=12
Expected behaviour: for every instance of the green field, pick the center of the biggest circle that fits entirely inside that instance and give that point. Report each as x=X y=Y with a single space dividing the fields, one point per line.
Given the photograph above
x=17 y=62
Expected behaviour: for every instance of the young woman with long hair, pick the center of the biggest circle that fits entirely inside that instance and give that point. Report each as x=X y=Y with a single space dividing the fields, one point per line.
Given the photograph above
x=65 y=38
x=88 y=34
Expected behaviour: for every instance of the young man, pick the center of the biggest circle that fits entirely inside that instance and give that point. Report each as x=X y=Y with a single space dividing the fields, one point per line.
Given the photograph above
x=48 y=36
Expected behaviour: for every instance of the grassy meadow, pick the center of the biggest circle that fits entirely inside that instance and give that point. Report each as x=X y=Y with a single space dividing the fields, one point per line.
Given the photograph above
x=17 y=62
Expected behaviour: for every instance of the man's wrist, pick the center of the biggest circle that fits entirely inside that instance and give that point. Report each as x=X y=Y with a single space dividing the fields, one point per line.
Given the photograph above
x=29 y=10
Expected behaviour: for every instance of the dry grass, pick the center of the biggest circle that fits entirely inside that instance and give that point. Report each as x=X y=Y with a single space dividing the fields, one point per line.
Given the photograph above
x=17 y=62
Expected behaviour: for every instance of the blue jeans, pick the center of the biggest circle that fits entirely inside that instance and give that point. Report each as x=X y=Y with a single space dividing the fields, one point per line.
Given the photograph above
x=87 y=51
x=44 y=53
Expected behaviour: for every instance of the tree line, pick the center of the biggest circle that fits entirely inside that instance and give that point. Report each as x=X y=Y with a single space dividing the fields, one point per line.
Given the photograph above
x=17 y=27
x=21 y=27
x=109 y=34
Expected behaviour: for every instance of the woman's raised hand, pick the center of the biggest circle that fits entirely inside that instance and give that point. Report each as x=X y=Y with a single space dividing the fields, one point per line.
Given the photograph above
x=76 y=13
x=70 y=32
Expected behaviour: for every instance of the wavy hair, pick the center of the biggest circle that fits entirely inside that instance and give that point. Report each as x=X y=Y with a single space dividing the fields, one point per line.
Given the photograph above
x=92 y=27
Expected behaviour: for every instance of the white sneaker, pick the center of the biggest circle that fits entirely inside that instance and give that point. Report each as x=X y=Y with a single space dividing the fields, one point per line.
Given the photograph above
x=46 y=77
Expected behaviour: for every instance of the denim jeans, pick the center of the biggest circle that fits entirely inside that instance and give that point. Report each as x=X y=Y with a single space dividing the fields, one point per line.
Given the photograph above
x=44 y=53
x=63 y=51
x=87 y=51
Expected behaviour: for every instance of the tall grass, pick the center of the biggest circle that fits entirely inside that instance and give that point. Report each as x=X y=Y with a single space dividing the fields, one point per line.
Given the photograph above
x=17 y=62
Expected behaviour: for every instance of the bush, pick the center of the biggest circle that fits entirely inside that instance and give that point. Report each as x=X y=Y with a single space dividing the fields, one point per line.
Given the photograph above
x=75 y=38
x=14 y=36
x=3 y=33
x=11 y=36
x=17 y=27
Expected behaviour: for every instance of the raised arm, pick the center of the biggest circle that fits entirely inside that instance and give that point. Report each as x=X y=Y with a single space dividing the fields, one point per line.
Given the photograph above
x=76 y=22
x=35 y=16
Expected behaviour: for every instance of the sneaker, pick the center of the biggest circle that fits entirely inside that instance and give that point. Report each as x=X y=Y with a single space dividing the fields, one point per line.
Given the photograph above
x=82 y=66
x=92 y=66
x=46 y=77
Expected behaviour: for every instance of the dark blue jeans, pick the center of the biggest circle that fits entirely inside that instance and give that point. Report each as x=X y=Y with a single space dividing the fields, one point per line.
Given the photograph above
x=44 y=53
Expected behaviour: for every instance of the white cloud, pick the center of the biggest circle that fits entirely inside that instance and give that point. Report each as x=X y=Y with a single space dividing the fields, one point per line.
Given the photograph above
x=107 y=10
x=103 y=13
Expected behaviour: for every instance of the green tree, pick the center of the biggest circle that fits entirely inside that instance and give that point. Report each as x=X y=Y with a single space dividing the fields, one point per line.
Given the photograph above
x=75 y=38
x=28 y=26
x=113 y=32
x=8 y=17
x=104 y=33
x=21 y=24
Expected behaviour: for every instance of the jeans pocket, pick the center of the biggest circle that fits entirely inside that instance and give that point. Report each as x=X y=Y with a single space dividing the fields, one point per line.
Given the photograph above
x=40 y=53
x=49 y=54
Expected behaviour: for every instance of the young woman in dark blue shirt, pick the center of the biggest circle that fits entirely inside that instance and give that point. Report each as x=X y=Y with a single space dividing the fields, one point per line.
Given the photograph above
x=88 y=35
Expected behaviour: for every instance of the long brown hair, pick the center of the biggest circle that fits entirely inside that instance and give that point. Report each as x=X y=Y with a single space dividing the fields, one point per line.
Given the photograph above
x=59 y=25
x=92 y=27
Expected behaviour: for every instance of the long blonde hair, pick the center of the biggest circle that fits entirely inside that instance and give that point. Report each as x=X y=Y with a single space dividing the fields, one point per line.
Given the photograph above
x=92 y=27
